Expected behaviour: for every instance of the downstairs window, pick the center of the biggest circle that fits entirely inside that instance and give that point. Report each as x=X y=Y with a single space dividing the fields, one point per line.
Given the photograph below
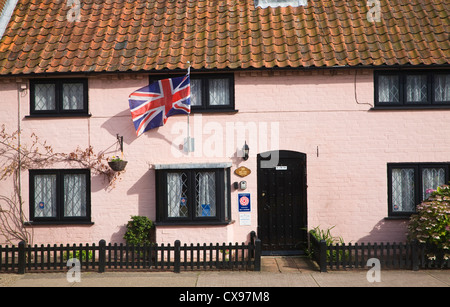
x=411 y=183
x=193 y=196
x=60 y=196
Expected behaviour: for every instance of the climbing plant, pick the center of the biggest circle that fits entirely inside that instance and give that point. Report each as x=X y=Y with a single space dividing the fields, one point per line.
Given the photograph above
x=19 y=153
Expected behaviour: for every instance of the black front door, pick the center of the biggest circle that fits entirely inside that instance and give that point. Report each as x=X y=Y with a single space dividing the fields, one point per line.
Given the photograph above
x=282 y=202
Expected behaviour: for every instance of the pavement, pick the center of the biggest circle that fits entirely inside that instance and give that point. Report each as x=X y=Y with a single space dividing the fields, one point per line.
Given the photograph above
x=275 y=271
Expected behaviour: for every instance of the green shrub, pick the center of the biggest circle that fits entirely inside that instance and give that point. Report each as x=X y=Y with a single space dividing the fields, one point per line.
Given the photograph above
x=69 y=255
x=139 y=230
x=431 y=223
x=326 y=236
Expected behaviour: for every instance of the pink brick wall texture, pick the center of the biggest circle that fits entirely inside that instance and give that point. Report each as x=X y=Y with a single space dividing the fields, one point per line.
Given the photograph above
x=325 y=114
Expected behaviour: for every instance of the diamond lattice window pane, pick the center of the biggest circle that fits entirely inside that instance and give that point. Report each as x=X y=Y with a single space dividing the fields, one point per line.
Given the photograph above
x=403 y=198
x=431 y=179
x=205 y=187
x=44 y=97
x=75 y=195
x=177 y=195
x=196 y=92
x=45 y=196
x=416 y=88
x=219 y=92
x=73 y=96
x=442 y=88
x=388 y=88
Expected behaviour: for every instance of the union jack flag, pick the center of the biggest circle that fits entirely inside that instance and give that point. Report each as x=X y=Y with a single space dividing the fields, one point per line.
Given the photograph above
x=151 y=105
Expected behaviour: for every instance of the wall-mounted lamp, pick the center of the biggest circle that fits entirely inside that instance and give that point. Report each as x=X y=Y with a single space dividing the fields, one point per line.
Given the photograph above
x=245 y=151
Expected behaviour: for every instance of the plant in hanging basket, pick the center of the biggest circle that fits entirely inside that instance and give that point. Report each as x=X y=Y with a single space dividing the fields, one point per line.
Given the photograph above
x=117 y=164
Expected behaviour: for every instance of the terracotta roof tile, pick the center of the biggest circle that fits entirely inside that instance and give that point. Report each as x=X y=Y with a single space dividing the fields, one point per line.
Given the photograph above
x=145 y=35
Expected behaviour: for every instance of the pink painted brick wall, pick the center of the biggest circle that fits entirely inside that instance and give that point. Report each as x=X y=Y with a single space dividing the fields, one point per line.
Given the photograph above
x=347 y=146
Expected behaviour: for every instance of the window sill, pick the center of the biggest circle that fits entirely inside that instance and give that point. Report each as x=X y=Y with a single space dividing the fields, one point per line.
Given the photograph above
x=411 y=108
x=57 y=223
x=40 y=116
x=206 y=111
x=194 y=223
x=397 y=217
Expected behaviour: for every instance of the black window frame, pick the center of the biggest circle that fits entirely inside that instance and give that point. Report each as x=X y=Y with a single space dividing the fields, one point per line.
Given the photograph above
x=402 y=103
x=59 y=111
x=206 y=107
x=223 y=202
x=418 y=180
x=60 y=218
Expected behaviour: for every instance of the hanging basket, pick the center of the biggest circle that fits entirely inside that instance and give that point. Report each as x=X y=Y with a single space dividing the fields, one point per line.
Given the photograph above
x=117 y=165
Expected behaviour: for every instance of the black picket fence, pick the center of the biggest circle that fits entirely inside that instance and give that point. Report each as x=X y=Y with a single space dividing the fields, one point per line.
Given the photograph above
x=410 y=255
x=123 y=257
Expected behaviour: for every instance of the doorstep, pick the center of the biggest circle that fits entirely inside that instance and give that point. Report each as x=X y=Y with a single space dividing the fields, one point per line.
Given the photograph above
x=288 y=264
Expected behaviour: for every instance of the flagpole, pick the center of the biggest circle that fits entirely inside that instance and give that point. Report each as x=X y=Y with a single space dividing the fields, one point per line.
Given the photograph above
x=188 y=136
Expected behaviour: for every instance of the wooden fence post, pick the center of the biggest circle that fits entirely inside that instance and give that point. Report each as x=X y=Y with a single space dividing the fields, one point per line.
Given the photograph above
x=252 y=242
x=177 y=260
x=323 y=256
x=101 y=256
x=415 y=255
x=22 y=258
x=258 y=246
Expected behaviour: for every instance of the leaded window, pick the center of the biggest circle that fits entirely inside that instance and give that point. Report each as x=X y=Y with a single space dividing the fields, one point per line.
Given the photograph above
x=60 y=195
x=442 y=88
x=416 y=89
x=397 y=89
x=205 y=193
x=411 y=183
x=193 y=195
x=209 y=92
x=177 y=189
x=58 y=97
x=403 y=190
x=388 y=89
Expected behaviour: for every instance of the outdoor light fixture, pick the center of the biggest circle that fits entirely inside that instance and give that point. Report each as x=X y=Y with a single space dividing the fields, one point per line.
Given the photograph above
x=245 y=151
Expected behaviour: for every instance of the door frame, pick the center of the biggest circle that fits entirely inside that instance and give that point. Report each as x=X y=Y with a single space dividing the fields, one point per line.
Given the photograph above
x=284 y=154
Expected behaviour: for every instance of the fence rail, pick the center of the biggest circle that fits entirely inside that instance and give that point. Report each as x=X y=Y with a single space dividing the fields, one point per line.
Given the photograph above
x=101 y=257
x=410 y=255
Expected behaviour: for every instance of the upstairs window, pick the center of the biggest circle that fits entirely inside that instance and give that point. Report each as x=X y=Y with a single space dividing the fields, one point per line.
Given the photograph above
x=426 y=89
x=59 y=97
x=209 y=93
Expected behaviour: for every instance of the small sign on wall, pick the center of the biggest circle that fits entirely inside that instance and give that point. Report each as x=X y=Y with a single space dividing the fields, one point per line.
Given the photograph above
x=245 y=219
x=244 y=202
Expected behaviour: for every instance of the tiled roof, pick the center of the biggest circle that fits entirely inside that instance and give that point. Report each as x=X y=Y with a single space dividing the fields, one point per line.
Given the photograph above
x=146 y=35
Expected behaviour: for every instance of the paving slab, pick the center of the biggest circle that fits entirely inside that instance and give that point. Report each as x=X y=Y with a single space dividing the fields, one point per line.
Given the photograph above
x=391 y=278
x=255 y=279
x=275 y=272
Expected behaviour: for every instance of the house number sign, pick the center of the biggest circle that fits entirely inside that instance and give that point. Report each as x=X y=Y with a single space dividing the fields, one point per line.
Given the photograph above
x=242 y=171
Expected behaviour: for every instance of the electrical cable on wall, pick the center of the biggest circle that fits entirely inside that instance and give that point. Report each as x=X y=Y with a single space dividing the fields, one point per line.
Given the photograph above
x=356 y=95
